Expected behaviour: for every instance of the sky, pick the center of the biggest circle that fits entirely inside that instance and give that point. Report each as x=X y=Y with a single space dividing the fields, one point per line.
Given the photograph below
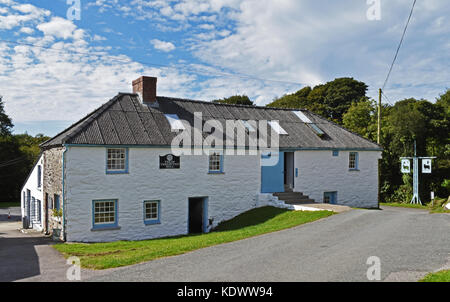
x=58 y=63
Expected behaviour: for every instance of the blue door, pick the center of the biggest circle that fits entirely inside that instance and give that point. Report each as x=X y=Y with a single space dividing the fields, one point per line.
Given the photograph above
x=272 y=172
x=330 y=197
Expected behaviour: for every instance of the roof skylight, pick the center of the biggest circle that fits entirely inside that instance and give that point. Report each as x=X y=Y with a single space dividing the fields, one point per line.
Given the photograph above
x=302 y=116
x=307 y=121
x=277 y=128
x=175 y=122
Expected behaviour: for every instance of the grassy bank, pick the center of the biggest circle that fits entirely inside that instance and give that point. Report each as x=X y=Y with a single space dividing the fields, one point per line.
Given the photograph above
x=4 y=205
x=442 y=276
x=433 y=208
x=252 y=223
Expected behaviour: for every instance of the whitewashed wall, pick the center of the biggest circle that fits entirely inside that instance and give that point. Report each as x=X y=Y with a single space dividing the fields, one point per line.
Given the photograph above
x=229 y=194
x=319 y=172
x=37 y=193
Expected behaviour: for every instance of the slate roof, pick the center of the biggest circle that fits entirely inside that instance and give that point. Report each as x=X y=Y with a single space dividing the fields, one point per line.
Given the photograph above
x=125 y=120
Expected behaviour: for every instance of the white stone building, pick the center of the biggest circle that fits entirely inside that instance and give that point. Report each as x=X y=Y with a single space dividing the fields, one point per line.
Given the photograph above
x=115 y=176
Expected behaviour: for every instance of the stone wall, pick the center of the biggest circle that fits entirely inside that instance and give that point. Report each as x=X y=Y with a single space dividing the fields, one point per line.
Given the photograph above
x=52 y=184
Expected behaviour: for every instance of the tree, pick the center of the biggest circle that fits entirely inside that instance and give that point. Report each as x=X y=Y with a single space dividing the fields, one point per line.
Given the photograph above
x=331 y=100
x=5 y=121
x=360 y=118
x=444 y=101
x=235 y=100
x=297 y=100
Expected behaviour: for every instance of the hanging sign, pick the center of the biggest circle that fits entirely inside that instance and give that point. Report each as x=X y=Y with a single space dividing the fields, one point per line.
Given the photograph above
x=169 y=161
x=406 y=166
x=426 y=166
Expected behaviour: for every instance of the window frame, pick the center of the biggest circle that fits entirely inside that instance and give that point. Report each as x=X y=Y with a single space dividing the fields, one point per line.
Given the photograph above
x=117 y=171
x=150 y=221
x=220 y=170
x=56 y=202
x=356 y=161
x=105 y=226
x=39 y=176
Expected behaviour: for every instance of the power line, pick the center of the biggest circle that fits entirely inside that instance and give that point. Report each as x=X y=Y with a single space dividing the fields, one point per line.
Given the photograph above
x=186 y=68
x=12 y=162
x=399 y=45
x=387 y=99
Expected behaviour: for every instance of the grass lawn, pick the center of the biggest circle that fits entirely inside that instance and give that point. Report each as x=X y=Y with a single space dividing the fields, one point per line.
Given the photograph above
x=437 y=208
x=4 y=205
x=442 y=276
x=252 y=223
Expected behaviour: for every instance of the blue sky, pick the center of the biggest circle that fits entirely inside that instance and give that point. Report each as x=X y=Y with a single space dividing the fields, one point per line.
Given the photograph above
x=59 y=70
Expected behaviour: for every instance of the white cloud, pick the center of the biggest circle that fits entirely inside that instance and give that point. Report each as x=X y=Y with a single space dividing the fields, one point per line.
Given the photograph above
x=27 y=30
x=162 y=45
x=61 y=28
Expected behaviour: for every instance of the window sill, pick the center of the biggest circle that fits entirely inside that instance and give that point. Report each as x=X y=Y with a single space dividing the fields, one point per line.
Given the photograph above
x=117 y=172
x=149 y=222
x=214 y=172
x=111 y=228
x=354 y=170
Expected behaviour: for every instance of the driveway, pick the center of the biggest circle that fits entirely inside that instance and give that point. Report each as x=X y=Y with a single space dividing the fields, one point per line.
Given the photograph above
x=408 y=242
x=29 y=256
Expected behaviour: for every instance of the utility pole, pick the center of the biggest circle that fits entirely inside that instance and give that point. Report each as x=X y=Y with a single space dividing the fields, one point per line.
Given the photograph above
x=379 y=117
x=379 y=143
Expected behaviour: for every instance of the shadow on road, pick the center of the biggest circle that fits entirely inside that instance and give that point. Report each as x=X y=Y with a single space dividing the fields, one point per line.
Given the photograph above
x=18 y=258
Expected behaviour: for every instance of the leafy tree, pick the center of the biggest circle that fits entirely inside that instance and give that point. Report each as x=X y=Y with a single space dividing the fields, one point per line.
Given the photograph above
x=331 y=100
x=297 y=100
x=444 y=101
x=5 y=121
x=235 y=100
x=361 y=118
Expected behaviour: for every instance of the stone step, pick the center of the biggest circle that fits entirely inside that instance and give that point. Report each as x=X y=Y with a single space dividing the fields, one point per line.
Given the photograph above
x=301 y=198
x=299 y=202
x=290 y=195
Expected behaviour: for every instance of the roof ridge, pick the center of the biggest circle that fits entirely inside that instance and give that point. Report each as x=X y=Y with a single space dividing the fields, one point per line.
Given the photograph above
x=232 y=105
x=85 y=120
x=93 y=116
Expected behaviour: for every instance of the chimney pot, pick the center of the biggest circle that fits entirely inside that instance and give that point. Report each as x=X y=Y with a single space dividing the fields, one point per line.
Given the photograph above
x=145 y=87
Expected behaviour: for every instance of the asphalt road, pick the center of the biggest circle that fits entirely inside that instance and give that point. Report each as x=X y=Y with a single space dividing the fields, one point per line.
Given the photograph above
x=408 y=242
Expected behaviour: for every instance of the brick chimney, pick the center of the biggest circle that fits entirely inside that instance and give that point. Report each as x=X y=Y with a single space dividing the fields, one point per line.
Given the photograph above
x=145 y=87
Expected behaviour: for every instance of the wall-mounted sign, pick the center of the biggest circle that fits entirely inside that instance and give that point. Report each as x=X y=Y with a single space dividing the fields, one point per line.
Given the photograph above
x=169 y=161
x=426 y=166
x=406 y=166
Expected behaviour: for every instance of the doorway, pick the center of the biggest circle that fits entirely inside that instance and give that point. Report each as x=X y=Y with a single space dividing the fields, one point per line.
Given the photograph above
x=198 y=217
x=289 y=170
